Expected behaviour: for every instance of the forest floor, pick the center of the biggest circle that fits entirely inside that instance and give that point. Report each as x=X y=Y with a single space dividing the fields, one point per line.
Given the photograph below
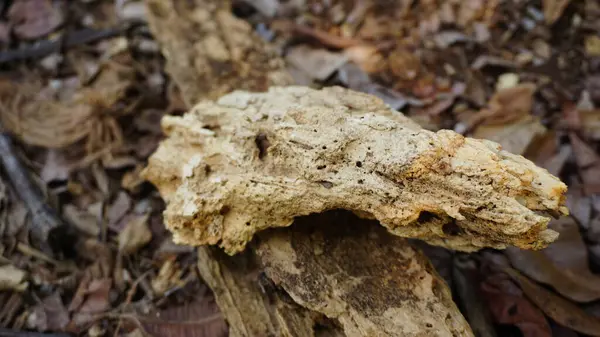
x=83 y=87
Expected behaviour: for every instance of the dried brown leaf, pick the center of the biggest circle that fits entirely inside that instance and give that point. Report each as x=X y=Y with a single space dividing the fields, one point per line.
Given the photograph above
x=366 y=56
x=201 y=318
x=79 y=295
x=96 y=301
x=50 y=122
x=149 y=121
x=168 y=277
x=132 y=179
x=131 y=10
x=553 y=9
x=56 y=167
x=580 y=205
x=559 y=309
x=97 y=296
x=319 y=64
x=404 y=64
x=555 y=164
x=325 y=38
x=514 y=137
x=119 y=207
x=267 y=8
x=13 y=213
x=475 y=10
x=135 y=235
x=56 y=312
x=100 y=254
x=82 y=220
x=508 y=306
x=34 y=18
x=476 y=88
x=590 y=122
x=42 y=121
x=4 y=32
x=50 y=314
x=119 y=162
x=584 y=154
x=467 y=280
x=509 y=104
x=588 y=162
x=563 y=265
x=592 y=45
x=12 y=278
x=447 y=38
x=541 y=48
x=593 y=234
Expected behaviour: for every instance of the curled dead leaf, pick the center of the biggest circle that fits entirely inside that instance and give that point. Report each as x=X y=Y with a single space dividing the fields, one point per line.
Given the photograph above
x=559 y=309
x=96 y=299
x=508 y=306
x=34 y=18
x=404 y=64
x=49 y=314
x=12 y=278
x=590 y=122
x=592 y=45
x=466 y=280
x=42 y=122
x=168 y=277
x=135 y=235
x=563 y=265
x=97 y=296
x=588 y=162
x=118 y=208
x=199 y=319
x=509 y=104
x=366 y=56
x=319 y=64
x=553 y=9
x=40 y=119
x=516 y=136
x=82 y=220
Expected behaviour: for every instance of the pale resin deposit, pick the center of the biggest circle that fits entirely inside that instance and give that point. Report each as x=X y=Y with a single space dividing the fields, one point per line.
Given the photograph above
x=252 y=161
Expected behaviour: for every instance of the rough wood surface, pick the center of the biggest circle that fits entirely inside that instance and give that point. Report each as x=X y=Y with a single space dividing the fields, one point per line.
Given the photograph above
x=339 y=265
x=210 y=52
x=251 y=307
x=252 y=161
x=250 y=301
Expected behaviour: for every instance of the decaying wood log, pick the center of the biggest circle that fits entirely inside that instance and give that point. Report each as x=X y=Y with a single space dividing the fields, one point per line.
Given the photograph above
x=210 y=52
x=327 y=275
x=252 y=161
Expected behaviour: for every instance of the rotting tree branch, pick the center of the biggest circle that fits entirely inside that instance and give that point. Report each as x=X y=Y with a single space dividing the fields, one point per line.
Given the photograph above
x=285 y=282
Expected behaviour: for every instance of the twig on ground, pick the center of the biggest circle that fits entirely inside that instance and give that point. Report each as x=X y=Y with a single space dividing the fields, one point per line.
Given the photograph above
x=14 y=333
x=70 y=39
x=49 y=231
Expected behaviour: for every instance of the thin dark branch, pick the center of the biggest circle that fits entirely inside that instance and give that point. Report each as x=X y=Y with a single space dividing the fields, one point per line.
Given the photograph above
x=70 y=39
x=13 y=333
x=49 y=231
